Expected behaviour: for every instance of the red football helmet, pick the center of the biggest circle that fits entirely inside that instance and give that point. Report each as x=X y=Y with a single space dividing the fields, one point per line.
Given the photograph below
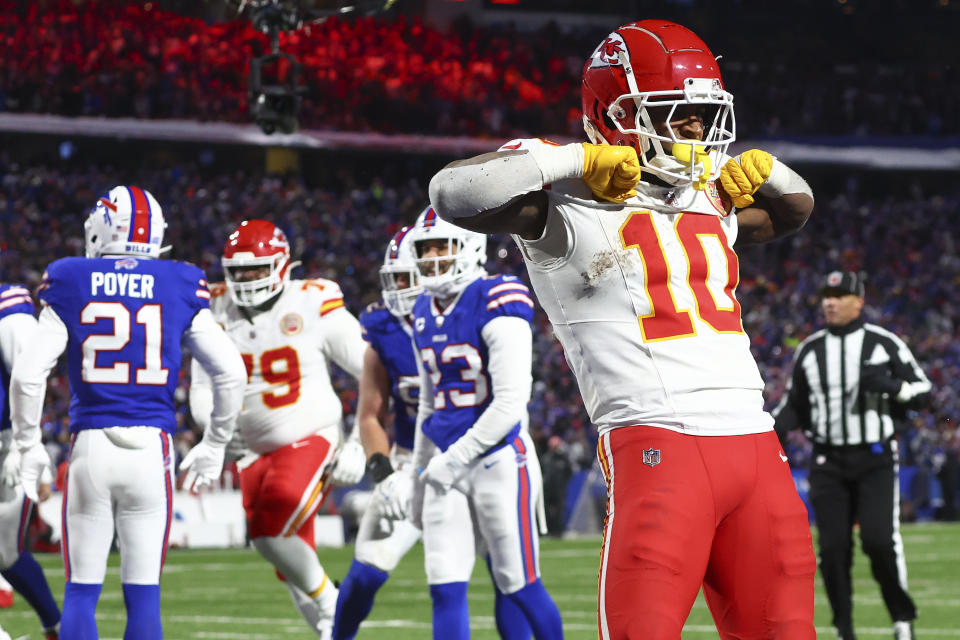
x=656 y=63
x=255 y=243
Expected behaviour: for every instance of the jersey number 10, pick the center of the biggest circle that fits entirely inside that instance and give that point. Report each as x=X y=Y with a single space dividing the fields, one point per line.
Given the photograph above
x=665 y=321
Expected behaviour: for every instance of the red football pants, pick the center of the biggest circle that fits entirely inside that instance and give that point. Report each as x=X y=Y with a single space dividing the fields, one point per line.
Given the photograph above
x=719 y=510
x=283 y=489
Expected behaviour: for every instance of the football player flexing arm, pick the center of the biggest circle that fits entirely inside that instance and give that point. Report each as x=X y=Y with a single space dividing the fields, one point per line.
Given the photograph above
x=631 y=253
x=121 y=316
x=17 y=566
x=481 y=490
x=287 y=331
x=390 y=375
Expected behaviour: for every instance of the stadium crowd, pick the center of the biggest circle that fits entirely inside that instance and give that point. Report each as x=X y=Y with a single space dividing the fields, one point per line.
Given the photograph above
x=119 y=58
x=339 y=232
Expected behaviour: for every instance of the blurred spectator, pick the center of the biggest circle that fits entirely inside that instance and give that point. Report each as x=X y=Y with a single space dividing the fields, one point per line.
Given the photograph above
x=812 y=68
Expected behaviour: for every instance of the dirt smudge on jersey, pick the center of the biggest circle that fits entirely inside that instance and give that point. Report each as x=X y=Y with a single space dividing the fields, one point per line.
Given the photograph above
x=604 y=264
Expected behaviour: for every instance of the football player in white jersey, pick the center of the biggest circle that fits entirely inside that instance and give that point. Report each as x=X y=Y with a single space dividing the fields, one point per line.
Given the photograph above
x=288 y=331
x=629 y=242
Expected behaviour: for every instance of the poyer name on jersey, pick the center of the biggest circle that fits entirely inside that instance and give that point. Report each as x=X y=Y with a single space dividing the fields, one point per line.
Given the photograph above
x=131 y=285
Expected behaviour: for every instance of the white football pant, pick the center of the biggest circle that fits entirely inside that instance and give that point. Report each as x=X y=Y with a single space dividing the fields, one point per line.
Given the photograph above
x=132 y=487
x=491 y=509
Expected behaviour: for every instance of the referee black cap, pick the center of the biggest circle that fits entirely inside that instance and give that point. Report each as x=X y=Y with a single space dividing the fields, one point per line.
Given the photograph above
x=842 y=283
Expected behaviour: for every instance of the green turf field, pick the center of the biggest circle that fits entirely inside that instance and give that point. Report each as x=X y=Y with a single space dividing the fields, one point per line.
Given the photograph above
x=233 y=594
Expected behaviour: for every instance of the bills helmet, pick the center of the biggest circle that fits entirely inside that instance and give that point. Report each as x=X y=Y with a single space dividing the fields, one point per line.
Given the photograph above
x=399 y=277
x=256 y=244
x=660 y=65
x=462 y=263
x=125 y=221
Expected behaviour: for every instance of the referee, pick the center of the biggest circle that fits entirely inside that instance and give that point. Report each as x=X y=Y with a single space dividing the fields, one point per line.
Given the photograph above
x=849 y=382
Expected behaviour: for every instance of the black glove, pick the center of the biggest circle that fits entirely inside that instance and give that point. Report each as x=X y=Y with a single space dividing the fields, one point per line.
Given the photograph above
x=877 y=379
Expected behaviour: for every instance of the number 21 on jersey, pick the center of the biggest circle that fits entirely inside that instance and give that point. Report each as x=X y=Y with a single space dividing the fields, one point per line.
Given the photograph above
x=666 y=321
x=150 y=317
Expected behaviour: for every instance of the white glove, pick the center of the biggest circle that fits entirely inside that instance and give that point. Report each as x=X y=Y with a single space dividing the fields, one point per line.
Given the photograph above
x=35 y=467
x=442 y=472
x=10 y=474
x=203 y=464
x=394 y=493
x=349 y=465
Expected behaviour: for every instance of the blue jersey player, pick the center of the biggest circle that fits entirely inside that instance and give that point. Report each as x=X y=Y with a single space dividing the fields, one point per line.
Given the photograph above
x=481 y=479
x=121 y=316
x=390 y=377
x=16 y=564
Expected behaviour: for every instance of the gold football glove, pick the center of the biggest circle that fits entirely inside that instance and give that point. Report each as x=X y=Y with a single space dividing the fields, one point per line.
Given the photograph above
x=742 y=179
x=611 y=171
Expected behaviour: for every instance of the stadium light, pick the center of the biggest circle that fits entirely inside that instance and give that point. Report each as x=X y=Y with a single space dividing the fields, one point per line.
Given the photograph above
x=275 y=103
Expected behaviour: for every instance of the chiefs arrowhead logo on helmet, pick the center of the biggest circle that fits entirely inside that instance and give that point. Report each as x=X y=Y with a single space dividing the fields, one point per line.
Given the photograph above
x=609 y=51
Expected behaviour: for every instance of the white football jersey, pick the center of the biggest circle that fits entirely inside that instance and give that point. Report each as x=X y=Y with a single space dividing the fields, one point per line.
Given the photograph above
x=287 y=350
x=642 y=298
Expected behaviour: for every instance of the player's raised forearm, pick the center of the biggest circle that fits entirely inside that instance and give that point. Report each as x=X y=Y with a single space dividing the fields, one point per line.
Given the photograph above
x=501 y=192
x=466 y=188
x=784 y=205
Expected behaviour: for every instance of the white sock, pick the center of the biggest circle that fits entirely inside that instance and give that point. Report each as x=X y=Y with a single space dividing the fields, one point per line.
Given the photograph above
x=307 y=607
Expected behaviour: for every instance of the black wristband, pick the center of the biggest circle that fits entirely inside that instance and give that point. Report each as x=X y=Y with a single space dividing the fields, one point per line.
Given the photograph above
x=379 y=467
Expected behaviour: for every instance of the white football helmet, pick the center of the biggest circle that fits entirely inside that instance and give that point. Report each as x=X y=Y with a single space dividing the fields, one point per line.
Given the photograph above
x=256 y=243
x=447 y=275
x=125 y=221
x=399 y=262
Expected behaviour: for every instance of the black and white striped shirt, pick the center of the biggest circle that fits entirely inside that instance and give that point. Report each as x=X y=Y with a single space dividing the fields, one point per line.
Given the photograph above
x=824 y=398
